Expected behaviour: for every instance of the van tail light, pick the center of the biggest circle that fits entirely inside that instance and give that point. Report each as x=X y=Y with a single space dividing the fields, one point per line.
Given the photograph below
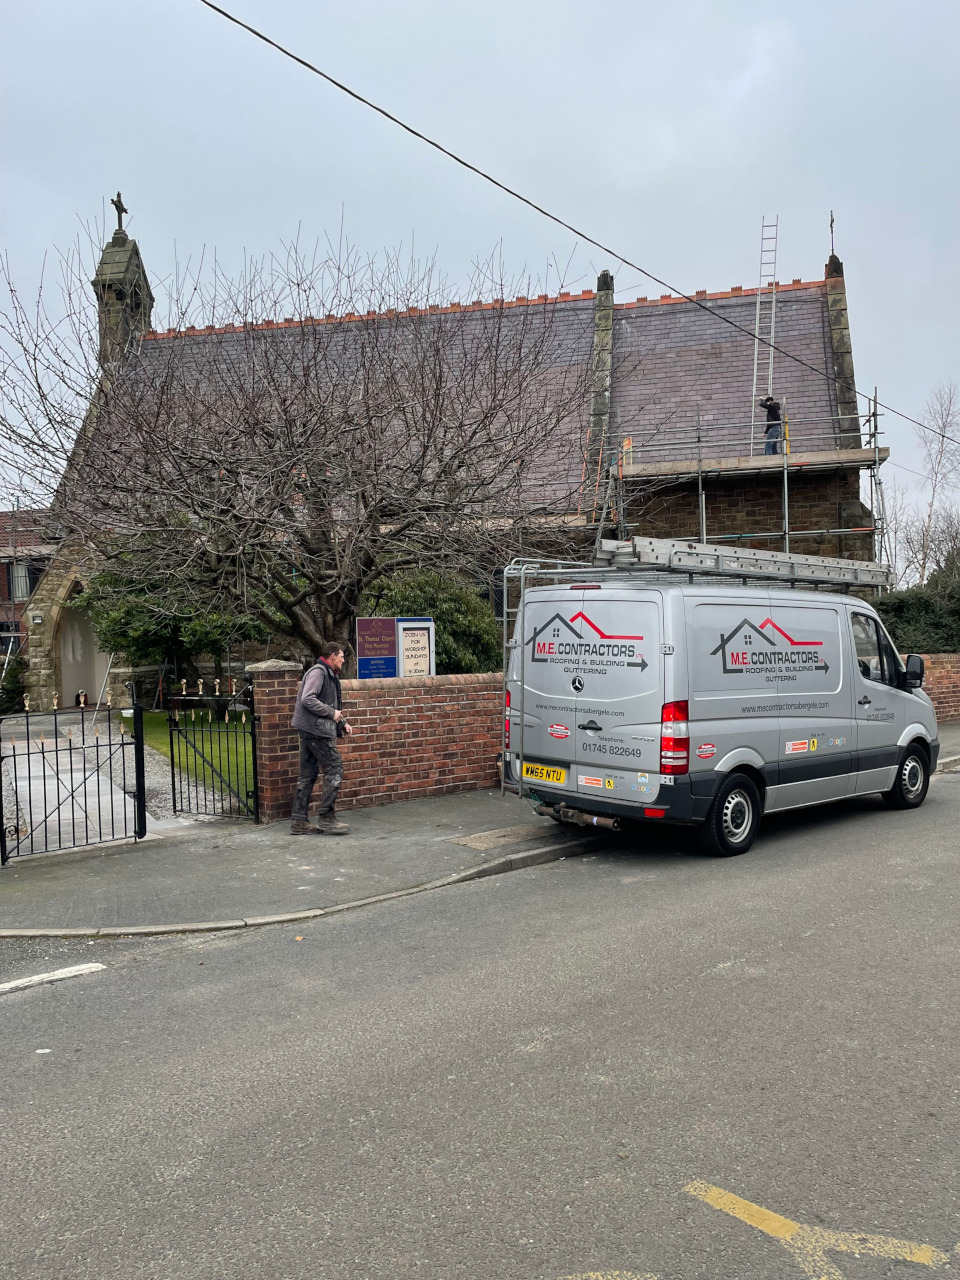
x=506 y=723
x=674 y=738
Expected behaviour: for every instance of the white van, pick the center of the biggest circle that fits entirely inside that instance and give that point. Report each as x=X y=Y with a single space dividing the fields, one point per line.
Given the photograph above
x=706 y=703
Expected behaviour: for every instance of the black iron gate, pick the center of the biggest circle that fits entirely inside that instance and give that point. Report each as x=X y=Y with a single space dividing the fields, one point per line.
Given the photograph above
x=70 y=778
x=213 y=755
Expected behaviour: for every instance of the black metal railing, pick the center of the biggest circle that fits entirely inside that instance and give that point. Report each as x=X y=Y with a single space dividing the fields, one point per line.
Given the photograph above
x=213 y=757
x=70 y=778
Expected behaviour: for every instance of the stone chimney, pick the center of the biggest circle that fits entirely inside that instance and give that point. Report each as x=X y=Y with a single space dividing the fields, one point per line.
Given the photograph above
x=600 y=450
x=846 y=388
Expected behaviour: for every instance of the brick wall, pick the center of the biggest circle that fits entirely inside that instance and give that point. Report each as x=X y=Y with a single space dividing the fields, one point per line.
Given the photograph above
x=419 y=736
x=413 y=737
x=942 y=683
x=278 y=747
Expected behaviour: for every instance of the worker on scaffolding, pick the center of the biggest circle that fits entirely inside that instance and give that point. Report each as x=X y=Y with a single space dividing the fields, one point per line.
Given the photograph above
x=773 y=432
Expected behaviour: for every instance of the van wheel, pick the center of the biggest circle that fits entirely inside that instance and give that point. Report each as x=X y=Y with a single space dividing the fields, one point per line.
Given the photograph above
x=731 y=825
x=913 y=779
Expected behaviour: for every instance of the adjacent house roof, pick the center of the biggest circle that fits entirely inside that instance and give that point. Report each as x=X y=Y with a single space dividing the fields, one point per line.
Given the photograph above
x=25 y=532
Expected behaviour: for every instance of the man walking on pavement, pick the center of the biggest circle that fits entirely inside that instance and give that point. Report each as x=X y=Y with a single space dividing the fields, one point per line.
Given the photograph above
x=318 y=718
x=772 y=431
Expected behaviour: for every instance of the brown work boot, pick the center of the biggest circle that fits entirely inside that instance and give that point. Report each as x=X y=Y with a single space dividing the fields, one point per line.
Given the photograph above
x=330 y=825
x=298 y=827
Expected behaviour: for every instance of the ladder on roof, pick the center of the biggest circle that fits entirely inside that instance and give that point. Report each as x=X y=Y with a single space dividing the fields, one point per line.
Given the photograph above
x=765 y=320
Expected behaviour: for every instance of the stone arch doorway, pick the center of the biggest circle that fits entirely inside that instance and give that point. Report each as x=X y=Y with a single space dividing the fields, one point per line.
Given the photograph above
x=82 y=665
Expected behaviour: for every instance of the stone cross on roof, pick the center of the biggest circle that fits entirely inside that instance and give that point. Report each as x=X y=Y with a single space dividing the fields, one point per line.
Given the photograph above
x=121 y=209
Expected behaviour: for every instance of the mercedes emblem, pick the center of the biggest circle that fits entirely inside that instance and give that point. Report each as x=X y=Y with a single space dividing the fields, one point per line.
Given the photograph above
x=577 y=684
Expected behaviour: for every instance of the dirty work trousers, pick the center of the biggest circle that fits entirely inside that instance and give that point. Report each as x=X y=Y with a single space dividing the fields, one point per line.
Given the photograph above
x=317 y=755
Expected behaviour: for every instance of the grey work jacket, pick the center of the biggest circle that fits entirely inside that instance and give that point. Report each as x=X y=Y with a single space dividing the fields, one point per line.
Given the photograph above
x=318 y=697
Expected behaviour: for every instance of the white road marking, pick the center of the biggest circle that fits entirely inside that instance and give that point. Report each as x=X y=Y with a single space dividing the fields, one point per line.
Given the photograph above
x=56 y=975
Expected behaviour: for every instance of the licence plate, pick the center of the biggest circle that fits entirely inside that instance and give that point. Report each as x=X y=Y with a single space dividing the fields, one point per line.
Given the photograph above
x=544 y=772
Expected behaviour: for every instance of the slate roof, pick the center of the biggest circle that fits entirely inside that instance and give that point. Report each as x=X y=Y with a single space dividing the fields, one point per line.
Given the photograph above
x=670 y=357
x=687 y=359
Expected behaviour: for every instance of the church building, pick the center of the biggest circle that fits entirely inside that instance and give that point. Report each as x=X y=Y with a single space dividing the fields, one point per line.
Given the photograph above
x=677 y=446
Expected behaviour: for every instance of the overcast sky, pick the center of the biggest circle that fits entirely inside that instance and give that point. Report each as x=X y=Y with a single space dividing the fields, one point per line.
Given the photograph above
x=666 y=130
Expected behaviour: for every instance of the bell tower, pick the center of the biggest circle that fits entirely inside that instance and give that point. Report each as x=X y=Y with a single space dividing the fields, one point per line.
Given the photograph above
x=124 y=297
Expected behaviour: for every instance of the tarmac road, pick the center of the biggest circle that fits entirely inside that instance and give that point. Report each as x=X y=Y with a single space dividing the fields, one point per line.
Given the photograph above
x=553 y=1073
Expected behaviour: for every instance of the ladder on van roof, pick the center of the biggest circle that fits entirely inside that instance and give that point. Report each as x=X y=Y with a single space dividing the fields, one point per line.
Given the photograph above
x=655 y=556
x=682 y=556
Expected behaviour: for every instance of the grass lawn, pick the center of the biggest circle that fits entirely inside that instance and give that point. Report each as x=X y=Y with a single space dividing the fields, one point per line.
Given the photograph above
x=228 y=753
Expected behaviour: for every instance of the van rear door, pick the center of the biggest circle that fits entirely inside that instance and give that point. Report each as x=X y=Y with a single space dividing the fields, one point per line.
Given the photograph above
x=542 y=727
x=614 y=665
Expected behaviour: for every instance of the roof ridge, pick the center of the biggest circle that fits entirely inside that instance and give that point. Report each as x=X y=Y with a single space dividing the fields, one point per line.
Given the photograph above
x=701 y=295
x=522 y=300
x=391 y=313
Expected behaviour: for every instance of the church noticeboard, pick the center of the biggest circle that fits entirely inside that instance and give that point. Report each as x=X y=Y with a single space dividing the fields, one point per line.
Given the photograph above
x=389 y=647
x=415 y=645
x=376 y=648
x=415 y=651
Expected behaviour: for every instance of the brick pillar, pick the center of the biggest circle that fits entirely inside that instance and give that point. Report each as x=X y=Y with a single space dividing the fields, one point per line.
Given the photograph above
x=278 y=749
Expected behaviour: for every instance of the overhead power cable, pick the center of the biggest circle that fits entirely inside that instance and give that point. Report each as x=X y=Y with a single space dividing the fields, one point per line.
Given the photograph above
x=553 y=217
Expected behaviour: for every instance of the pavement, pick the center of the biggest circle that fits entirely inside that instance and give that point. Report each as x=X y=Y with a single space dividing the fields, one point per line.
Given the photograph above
x=949 y=744
x=229 y=872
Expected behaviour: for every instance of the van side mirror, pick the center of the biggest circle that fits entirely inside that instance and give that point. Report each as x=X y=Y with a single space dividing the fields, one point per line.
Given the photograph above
x=913 y=676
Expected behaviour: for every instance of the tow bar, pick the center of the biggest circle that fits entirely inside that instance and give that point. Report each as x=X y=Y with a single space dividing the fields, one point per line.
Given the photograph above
x=576 y=818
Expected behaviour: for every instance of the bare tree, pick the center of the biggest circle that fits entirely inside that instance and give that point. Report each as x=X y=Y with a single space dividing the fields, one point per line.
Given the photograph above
x=279 y=469
x=944 y=545
x=942 y=458
x=922 y=531
x=899 y=518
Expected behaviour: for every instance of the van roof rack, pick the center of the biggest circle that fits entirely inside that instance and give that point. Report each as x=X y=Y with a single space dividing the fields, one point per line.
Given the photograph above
x=681 y=556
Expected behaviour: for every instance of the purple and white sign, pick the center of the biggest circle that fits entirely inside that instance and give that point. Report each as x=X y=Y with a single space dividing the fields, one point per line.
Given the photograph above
x=376 y=648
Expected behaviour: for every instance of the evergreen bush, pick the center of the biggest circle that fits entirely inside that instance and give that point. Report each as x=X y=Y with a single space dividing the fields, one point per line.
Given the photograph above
x=924 y=619
x=468 y=635
x=12 y=687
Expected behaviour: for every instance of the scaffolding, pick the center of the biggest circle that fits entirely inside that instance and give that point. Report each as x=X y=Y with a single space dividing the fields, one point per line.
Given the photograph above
x=705 y=452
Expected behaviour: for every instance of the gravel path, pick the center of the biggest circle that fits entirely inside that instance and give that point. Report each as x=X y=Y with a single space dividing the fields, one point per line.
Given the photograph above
x=157 y=784
x=156 y=772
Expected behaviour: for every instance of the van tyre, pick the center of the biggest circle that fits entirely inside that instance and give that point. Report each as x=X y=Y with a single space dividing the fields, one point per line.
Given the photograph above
x=731 y=825
x=913 y=779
